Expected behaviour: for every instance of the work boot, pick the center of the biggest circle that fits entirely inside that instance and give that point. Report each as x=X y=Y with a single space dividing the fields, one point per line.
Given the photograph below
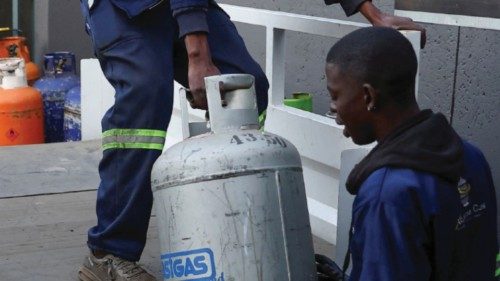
x=112 y=268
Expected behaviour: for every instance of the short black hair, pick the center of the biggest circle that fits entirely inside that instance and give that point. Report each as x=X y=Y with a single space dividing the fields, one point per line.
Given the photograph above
x=380 y=56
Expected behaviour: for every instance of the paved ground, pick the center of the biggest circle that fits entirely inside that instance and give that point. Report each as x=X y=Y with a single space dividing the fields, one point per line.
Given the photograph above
x=49 y=168
x=43 y=237
x=47 y=203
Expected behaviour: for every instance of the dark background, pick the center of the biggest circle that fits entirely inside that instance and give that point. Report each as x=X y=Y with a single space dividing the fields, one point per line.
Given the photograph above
x=25 y=18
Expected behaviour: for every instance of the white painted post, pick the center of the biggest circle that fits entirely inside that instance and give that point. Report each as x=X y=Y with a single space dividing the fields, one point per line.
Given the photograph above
x=15 y=16
x=275 y=64
x=349 y=159
x=97 y=98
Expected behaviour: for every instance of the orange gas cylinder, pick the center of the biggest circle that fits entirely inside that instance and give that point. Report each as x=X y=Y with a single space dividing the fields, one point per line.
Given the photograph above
x=15 y=46
x=21 y=107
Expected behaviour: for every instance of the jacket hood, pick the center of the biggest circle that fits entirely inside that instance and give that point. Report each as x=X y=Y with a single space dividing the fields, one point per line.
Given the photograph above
x=425 y=142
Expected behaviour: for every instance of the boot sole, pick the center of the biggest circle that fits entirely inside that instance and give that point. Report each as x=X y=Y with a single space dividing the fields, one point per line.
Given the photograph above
x=85 y=274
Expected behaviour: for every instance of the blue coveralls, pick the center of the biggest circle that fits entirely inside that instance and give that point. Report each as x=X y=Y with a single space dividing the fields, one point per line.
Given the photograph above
x=140 y=52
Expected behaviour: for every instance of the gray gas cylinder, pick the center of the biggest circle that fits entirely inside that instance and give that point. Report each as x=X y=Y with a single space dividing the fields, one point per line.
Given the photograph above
x=231 y=203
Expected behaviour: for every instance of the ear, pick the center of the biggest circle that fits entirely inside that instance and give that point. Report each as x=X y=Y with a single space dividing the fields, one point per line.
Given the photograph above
x=370 y=96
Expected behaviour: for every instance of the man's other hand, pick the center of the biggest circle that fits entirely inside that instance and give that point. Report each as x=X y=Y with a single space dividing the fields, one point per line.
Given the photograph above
x=377 y=18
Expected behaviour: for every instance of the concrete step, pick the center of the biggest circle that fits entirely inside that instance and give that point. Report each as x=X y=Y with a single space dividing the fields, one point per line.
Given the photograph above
x=49 y=168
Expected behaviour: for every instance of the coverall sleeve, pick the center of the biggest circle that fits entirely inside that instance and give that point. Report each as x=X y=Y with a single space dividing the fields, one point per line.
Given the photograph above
x=191 y=15
x=350 y=6
x=388 y=243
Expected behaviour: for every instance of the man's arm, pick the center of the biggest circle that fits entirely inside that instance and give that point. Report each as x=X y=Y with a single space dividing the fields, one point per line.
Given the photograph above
x=377 y=18
x=192 y=20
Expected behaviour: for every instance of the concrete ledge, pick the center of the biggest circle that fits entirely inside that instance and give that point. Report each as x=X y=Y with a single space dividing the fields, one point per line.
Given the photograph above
x=49 y=168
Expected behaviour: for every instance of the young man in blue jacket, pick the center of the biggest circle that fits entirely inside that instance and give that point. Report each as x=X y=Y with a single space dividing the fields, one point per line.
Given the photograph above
x=142 y=46
x=425 y=204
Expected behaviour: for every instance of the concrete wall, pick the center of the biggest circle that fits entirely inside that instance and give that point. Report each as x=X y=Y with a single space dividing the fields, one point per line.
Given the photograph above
x=5 y=14
x=476 y=103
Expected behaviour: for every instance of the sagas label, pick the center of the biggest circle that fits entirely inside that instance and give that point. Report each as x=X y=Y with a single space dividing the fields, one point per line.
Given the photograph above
x=194 y=265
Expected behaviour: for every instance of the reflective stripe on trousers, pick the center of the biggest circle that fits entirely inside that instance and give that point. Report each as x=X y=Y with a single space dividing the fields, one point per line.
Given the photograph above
x=133 y=139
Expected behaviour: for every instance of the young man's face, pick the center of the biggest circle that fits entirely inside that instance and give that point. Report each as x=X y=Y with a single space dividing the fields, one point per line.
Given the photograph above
x=348 y=101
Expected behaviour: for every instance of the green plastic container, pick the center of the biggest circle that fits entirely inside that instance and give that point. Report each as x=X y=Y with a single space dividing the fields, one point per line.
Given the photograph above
x=301 y=101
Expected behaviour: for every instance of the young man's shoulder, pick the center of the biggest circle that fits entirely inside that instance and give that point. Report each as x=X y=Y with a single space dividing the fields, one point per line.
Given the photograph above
x=403 y=187
x=473 y=155
x=477 y=170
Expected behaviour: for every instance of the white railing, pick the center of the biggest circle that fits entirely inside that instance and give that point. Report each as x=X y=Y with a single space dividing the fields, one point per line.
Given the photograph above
x=319 y=140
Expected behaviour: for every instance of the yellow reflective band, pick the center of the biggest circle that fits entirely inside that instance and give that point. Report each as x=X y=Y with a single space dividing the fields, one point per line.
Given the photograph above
x=126 y=145
x=133 y=138
x=134 y=132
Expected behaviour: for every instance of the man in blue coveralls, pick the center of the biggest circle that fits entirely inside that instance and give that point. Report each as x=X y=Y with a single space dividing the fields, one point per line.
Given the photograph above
x=425 y=207
x=142 y=46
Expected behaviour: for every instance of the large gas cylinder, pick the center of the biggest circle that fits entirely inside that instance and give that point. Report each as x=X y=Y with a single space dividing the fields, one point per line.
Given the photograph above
x=59 y=78
x=231 y=203
x=21 y=109
x=72 y=115
x=16 y=46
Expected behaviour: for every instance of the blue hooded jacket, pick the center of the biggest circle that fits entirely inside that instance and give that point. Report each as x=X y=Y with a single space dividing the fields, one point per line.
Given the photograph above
x=425 y=207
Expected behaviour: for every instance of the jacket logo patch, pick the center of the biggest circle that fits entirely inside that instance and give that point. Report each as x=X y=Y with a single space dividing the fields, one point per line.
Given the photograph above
x=464 y=190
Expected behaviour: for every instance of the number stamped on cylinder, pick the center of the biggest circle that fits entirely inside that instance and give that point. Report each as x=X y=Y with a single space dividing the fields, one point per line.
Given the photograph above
x=248 y=138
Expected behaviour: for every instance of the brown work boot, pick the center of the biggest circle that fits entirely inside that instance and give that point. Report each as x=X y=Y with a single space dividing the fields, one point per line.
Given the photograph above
x=112 y=268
